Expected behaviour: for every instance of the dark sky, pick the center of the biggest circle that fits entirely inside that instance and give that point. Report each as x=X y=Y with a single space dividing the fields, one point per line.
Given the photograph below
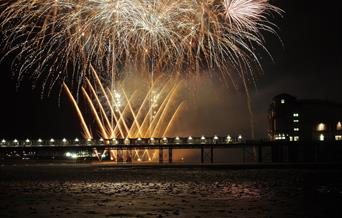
x=307 y=65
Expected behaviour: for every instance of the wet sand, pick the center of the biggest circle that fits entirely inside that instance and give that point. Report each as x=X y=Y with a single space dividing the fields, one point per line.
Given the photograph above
x=105 y=191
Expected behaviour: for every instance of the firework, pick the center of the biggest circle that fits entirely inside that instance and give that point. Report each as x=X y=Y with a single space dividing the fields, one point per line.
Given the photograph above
x=55 y=37
x=61 y=41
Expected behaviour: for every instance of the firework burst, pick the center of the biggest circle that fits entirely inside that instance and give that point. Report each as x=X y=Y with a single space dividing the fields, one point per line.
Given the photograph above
x=54 y=37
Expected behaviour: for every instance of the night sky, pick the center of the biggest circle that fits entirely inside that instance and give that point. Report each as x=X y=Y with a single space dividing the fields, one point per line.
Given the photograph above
x=307 y=65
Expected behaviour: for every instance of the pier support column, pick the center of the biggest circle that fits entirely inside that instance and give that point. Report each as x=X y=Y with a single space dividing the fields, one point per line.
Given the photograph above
x=129 y=155
x=119 y=156
x=170 y=155
x=161 y=156
x=259 y=153
x=202 y=155
x=211 y=154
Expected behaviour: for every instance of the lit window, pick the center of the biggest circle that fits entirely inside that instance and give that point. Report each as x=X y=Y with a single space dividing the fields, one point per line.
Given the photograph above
x=291 y=138
x=339 y=126
x=296 y=121
x=321 y=127
x=296 y=138
x=296 y=115
x=338 y=137
x=282 y=101
x=296 y=129
x=321 y=137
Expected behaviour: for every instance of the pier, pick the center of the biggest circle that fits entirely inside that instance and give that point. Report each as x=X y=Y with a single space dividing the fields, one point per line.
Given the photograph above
x=208 y=150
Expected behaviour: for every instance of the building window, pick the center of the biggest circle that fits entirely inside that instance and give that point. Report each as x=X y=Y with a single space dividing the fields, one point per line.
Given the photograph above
x=296 y=115
x=321 y=127
x=282 y=101
x=280 y=137
x=296 y=121
x=291 y=139
x=296 y=138
x=321 y=137
x=296 y=129
x=338 y=137
x=339 y=126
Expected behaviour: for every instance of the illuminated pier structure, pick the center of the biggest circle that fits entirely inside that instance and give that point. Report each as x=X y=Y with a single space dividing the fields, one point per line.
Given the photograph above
x=161 y=150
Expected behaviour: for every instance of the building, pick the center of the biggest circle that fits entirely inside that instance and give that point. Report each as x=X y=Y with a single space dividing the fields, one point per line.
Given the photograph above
x=293 y=119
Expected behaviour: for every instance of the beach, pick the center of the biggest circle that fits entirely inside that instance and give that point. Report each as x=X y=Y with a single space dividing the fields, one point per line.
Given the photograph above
x=86 y=190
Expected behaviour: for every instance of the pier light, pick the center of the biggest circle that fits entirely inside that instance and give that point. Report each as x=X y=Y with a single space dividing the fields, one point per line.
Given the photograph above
x=52 y=140
x=139 y=159
x=77 y=140
x=139 y=140
x=149 y=159
x=321 y=137
x=74 y=156
x=229 y=139
x=3 y=141
x=190 y=139
x=203 y=140
x=68 y=154
x=101 y=141
x=152 y=140
x=216 y=137
x=89 y=141
x=15 y=141
x=164 y=140
x=40 y=141
x=27 y=140
x=177 y=139
x=115 y=141
x=64 y=140
x=126 y=141
x=240 y=138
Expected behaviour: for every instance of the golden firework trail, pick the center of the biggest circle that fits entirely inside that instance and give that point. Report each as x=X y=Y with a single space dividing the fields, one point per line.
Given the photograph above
x=131 y=113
